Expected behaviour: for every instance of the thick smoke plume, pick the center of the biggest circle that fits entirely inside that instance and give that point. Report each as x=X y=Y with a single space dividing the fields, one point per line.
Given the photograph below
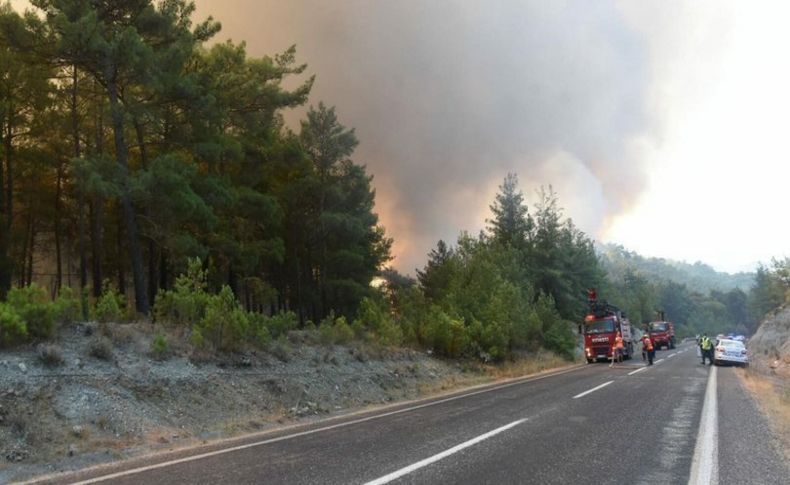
x=447 y=97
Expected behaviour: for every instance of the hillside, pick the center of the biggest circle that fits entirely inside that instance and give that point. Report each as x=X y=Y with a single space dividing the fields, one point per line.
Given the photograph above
x=65 y=405
x=770 y=345
x=698 y=276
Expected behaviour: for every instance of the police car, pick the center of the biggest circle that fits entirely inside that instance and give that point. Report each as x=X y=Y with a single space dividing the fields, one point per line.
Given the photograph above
x=729 y=350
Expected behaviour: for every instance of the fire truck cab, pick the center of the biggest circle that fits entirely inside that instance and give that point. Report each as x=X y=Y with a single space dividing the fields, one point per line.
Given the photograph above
x=600 y=327
x=662 y=334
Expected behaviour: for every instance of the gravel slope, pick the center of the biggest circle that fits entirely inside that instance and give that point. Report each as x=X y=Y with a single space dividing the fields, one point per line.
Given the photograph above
x=88 y=410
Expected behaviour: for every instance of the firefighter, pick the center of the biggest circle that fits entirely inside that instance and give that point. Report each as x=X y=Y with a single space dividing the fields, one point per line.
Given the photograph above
x=617 y=350
x=706 y=346
x=647 y=348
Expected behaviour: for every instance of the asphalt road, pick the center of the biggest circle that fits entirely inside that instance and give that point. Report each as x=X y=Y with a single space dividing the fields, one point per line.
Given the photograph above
x=591 y=424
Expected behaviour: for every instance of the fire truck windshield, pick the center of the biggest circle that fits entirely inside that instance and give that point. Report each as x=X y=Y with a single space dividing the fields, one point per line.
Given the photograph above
x=658 y=327
x=600 y=326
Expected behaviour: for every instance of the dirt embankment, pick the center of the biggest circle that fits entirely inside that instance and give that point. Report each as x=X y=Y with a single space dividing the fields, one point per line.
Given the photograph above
x=768 y=377
x=94 y=398
x=770 y=345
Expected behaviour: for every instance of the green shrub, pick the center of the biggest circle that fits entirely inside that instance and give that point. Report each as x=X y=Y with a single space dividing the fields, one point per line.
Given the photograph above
x=447 y=336
x=67 y=306
x=186 y=302
x=259 y=333
x=390 y=334
x=32 y=303
x=196 y=338
x=374 y=315
x=343 y=332
x=494 y=341
x=335 y=330
x=109 y=306
x=159 y=347
x=12 y=328
x=360 y=332
x=85 y=305
x=282 y=323
x=560 y=338
x=325 y=333
x=225 y=323
x=262 y=337
x=281 y=349
x=557 y=334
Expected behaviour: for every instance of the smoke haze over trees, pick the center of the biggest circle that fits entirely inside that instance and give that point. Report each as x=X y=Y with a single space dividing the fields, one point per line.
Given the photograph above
x=134 y=150
x=447 y=97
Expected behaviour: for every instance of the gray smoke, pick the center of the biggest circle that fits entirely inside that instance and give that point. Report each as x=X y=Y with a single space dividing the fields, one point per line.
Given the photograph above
x=447 y=97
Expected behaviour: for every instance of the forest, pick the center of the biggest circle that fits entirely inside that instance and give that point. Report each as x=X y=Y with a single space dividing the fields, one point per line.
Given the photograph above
x=148 y=172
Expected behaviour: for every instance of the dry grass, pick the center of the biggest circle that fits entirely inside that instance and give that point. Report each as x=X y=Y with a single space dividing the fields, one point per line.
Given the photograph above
x=484 y=373
x=451 y=384
x=529 y=364
x=773 y=397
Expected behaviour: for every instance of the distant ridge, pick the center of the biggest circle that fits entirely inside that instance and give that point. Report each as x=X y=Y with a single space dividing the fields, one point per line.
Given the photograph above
x=698 y=276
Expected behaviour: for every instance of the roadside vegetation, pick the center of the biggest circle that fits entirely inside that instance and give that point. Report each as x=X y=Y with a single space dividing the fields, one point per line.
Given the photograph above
x=174 y=190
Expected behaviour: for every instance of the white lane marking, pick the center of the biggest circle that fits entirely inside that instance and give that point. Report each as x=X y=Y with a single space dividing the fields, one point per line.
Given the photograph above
x=659 y=361
x=577 y=396
x=671 y=355
x=186 y=459
x=433 y=459
x=635 y=371
x=705 y=465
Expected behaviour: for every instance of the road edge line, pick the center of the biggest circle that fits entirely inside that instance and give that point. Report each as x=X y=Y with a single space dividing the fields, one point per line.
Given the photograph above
x=705 y=464
x=410 y=406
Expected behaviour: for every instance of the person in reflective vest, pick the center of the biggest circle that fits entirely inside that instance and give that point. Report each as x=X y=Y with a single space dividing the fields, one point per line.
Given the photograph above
x=706 y=345
x=617 y=350
x=647 y=348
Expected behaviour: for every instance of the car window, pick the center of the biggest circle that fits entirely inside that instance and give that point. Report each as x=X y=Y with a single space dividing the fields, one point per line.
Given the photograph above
x=730 y=343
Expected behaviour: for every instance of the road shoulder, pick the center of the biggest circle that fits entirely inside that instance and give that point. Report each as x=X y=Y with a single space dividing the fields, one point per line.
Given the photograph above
x=749 y=452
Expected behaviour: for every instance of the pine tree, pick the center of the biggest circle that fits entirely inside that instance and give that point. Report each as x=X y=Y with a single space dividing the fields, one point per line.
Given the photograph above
x=346 y=246
x=512 y=225
x=435 y=278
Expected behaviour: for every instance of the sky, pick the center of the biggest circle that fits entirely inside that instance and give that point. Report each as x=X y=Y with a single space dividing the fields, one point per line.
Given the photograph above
x=660 y=124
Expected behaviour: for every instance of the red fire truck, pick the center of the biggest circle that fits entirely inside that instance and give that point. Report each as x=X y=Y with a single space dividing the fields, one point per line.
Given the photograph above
x=662 y=334
x=600 y=327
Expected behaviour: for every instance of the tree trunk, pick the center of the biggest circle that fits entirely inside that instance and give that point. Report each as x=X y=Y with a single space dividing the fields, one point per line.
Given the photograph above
x=9 y=147
x=121 y=268
x=122 y=155
x=5 y=236
x=31 y=249
x=6 y=211
x=97 y=244
x=58 y=210
x=299 y=303
x=322 y=263
x=163 y=269
x=247 y=297
x=232 y=280
x=75 y=133
x=152 y=279
x=21 y=267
